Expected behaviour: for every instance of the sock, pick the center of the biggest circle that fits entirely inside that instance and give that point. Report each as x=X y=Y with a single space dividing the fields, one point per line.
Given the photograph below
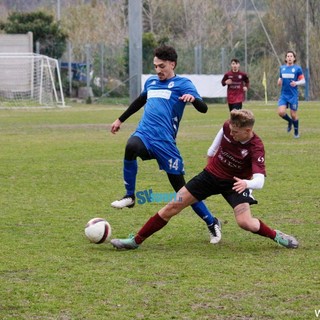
x=153 y=225
x=130 y=170
x=296 y=126
x=287 y=118
x=203 y=212
x=265 y=231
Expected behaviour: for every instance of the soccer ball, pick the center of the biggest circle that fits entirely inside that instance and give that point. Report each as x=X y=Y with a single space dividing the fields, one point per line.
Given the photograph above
x=98 y=230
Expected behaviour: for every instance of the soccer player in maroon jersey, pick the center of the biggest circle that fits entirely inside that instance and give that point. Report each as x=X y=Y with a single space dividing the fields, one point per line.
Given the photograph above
x=235 y=167
x=238 y=85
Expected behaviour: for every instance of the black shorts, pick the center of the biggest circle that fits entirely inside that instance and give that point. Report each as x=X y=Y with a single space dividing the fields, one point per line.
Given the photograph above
x=206 y=184
x=236 y=106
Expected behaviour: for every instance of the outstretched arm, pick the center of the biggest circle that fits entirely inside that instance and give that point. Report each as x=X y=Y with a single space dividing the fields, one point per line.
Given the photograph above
x=135 y=106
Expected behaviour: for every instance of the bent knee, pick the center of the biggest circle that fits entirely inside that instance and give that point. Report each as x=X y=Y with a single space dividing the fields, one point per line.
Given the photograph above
x=135 y=148
x=131 y=146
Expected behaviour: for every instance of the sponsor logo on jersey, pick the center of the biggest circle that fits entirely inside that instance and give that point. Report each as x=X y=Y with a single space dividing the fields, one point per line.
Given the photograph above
x=164 y=94
x=288 y=75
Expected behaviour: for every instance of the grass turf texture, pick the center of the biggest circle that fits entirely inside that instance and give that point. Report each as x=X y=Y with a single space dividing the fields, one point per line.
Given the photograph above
x=61 y=167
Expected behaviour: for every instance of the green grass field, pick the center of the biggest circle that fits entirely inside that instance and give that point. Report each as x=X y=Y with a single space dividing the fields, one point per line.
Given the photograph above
x=61 y=167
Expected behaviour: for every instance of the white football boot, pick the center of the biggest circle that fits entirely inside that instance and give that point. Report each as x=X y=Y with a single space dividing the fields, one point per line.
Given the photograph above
x=215 y=232
x=125 y=202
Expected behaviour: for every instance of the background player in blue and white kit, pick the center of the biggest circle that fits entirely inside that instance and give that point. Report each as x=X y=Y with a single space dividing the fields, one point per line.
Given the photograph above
x=164 y=98
x=291 y=76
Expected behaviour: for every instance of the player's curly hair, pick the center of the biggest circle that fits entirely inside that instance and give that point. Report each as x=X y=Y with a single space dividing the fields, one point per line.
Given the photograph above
x=166 y=53
x=242 y=118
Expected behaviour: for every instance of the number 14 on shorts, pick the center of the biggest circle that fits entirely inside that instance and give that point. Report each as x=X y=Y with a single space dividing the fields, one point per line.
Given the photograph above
x=174 y=164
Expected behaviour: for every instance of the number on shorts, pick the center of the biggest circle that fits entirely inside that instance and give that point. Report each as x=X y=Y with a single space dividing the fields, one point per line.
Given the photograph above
x=174 y=164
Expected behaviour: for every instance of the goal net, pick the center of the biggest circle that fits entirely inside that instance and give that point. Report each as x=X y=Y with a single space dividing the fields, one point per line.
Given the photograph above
x=29 y=80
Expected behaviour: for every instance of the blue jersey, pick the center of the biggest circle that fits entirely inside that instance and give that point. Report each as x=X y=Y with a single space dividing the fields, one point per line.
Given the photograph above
x=288 y=74
x=163 y=109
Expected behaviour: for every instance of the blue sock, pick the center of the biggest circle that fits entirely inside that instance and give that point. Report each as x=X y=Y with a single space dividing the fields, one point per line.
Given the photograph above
x=287 y=118
x=296 y=126
x=130 y=170
x=203 y=212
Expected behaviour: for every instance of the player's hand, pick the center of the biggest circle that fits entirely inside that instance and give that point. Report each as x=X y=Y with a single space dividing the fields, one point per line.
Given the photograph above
x=293 y=84
x=240 y=185
x=229 y=81
x=115 y=127
x=245 y=89
x=187 y=97
x=279 y=82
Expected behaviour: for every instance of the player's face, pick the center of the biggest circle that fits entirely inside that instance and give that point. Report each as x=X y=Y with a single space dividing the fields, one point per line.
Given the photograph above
x=240 y=134
x=235 y=66
x=164 y=68
x=290 y=58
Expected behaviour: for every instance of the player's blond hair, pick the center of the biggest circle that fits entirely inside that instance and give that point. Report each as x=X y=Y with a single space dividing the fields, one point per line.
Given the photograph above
x=242 y=118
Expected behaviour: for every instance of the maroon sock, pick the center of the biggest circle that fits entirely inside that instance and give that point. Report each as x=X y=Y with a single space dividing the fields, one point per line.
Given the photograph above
x=265 y=231
x=153 y=225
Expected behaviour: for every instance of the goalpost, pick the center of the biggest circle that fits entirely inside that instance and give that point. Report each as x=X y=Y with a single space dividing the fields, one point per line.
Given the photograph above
x=30 y=80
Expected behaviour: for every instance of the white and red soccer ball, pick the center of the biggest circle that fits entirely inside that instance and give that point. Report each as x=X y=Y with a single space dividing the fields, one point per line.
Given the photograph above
x=98 y=230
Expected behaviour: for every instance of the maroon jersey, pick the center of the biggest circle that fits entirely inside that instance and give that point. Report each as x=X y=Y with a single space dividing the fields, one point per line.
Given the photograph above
x=236 y=159
x=235 y=93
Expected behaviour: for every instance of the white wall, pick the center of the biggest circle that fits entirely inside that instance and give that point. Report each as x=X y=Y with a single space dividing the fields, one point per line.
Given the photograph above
x=208 y=85
x=16 y=43
x=16 y=73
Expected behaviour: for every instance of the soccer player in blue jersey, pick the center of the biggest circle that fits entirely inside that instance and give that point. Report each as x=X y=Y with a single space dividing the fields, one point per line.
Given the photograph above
x=164 y=98
x=291 y=76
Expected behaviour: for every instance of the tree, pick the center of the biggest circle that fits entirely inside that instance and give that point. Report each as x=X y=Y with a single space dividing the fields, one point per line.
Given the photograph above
x=286 y=23
x=45 y=30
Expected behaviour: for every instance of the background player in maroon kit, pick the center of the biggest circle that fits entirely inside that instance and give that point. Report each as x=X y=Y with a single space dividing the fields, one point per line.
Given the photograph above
x=238 y=85
x=235 y=167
